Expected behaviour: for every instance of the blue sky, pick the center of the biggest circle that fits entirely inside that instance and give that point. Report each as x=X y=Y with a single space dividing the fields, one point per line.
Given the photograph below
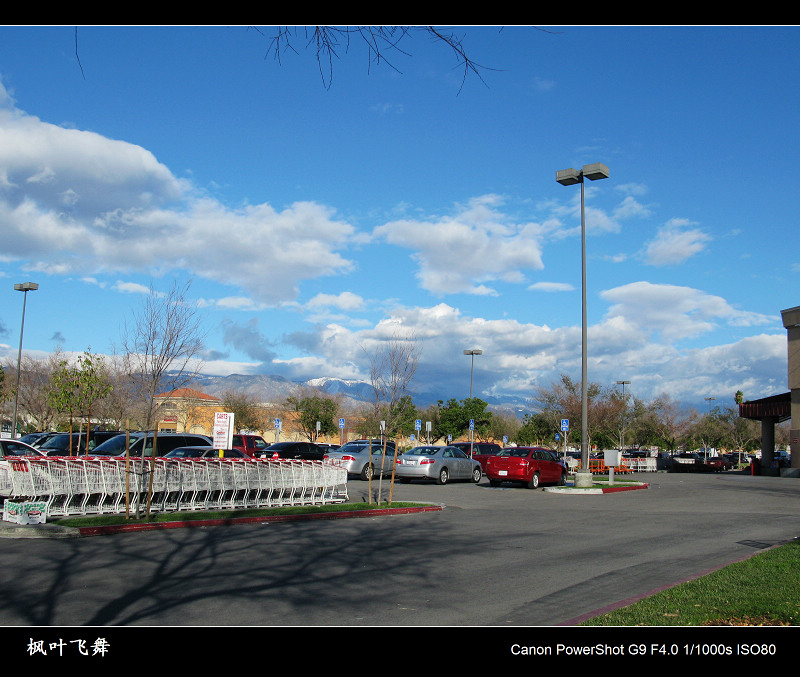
x=316 y=222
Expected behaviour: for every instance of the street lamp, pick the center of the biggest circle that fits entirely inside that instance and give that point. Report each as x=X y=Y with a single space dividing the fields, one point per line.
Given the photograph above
x=25 y=287
x=624 y=404
x=569 y=177
x=472 y=353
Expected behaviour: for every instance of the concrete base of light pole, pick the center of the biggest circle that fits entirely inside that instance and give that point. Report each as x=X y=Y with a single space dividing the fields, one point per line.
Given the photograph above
x=583 y=478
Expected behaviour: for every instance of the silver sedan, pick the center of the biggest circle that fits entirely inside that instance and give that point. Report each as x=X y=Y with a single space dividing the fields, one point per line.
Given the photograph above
x=358 y=459
x=441 y=464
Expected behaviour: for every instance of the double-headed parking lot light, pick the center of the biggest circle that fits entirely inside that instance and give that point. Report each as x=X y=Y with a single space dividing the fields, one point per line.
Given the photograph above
x=24 y=287
x=473 y=353
x=569 y=177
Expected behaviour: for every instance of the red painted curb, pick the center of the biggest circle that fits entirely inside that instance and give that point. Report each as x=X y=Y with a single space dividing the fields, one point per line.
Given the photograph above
x=226 y=521
x=611 y=490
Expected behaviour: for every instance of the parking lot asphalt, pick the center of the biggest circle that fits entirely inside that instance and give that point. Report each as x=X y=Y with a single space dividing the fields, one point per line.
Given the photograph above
x=503 y=556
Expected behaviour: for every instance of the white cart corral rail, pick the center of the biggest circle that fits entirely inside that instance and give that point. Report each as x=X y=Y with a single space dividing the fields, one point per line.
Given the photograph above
x=86 y=486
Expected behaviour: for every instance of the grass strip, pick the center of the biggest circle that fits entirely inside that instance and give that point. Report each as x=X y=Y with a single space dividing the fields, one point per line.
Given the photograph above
x=761 y=590
x=110 y=520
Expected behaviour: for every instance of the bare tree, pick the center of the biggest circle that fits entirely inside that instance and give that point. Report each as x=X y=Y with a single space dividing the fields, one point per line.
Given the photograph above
x=161 y=346
x=33 y=392
x=382 y=44
x=393 y=366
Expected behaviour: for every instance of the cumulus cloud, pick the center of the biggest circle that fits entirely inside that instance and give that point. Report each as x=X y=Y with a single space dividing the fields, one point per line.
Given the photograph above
x=676 y=312
x=465 y=252
x=518 y=356
x=75 y=201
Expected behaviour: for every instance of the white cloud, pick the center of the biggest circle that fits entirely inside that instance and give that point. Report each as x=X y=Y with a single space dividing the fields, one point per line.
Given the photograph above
x=551 y=286
x=675 y=242
x=675 y=312
x=464 y=252
x=131 y=287
x=74 y=201
x=518 y=356
x=344 y=301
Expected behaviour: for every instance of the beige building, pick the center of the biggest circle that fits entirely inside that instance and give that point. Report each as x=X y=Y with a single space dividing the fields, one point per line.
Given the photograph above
x=187 y=410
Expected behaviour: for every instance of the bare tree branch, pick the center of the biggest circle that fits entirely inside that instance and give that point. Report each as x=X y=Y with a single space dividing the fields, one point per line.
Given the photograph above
x=162 y=344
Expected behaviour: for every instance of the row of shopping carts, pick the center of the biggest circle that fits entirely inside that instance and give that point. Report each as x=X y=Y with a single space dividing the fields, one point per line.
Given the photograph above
x=85 y=486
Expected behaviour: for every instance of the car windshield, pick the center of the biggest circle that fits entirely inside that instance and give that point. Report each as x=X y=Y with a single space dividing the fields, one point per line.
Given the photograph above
x=519 y=453
x=115 y=445
x=423 y=451
x=185 y=453
x=353 y=448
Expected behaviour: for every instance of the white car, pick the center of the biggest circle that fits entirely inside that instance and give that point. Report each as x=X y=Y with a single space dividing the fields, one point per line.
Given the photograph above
x=12 y=448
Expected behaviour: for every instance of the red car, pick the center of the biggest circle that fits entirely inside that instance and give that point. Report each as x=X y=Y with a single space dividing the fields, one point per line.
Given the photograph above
x=530 y=466
x=249 y=444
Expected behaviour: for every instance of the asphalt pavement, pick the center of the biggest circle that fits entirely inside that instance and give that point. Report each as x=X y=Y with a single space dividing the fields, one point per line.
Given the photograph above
x=491 y=557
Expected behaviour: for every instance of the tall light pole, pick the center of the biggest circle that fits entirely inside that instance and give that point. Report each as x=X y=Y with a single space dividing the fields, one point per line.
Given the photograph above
x=472 y=353
x=25 y=287
x=569 y=177
x=625 y=406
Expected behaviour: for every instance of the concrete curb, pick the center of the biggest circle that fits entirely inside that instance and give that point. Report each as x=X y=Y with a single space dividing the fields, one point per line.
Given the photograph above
x=597 y=490
x=8 y=530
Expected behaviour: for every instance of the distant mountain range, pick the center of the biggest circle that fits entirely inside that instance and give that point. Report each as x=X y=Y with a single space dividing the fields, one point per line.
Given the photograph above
x=271 y=389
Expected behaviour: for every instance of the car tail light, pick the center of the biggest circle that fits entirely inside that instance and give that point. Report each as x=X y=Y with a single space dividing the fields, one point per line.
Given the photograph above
x=347 y=458
x=426 y=461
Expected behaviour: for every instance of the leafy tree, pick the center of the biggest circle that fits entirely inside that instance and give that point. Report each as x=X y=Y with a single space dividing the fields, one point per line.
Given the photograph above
x=93 y=384
x=454 y=418
x=536 y=430
x=64 y=392
x=313 y=409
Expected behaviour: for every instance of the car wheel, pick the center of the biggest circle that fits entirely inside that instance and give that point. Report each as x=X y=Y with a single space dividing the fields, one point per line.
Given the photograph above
x=367 y=472
x=534 y=483
x=563 y=481
x=443 y=476
x=476 y=475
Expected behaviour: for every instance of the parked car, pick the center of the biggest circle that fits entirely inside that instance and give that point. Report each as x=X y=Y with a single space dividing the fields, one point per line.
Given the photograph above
x=64 y=444
x=690 y=461
x=204 y=452
x=249 y=444
x=32 y=438
x=437 y=463
x=10 y=448
x=357 y=458
x=307 y=451
x=782 y=458
x=327 y=446
x=165 y=442
x=480 y=450
x=529 y=466
x=58 y=444
x=719 y=463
